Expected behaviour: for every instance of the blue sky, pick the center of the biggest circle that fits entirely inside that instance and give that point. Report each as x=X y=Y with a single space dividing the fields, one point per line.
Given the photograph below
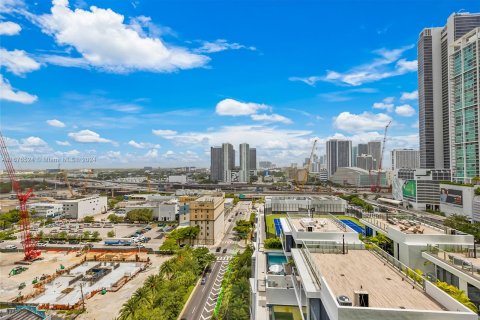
x=137 y=83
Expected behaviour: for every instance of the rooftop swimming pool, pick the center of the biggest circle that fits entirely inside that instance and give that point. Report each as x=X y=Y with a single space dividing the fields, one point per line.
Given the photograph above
x=275 y=258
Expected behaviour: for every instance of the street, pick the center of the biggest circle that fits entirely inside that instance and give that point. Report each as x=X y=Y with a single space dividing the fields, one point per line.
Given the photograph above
x=204 y=297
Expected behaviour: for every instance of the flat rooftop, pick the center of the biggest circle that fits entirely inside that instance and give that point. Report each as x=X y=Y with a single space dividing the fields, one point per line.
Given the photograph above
x=361 y=270
x=403 y=225
x=317 y=224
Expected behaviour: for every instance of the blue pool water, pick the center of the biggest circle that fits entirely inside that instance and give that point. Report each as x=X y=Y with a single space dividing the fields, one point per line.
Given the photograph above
x=354 y=226
x=275 y=259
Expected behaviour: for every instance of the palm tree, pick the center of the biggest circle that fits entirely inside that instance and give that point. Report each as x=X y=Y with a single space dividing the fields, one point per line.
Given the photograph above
x=143 y=295
x=128 y=309
x=168 y=268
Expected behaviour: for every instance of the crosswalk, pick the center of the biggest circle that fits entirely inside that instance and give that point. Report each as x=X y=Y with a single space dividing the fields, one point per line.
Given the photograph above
x=213 y=295
x=224 y=258
x=229 y=242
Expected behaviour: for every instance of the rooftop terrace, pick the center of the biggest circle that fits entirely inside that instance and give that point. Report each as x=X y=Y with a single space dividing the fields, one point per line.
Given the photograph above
x=407 y=224
x=318 y=224
x=363 y=271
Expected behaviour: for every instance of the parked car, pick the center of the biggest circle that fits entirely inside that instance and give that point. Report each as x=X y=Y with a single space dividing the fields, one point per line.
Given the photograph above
x=41 y=244
x=218 y=249
x=11 y=247
x=224 y=250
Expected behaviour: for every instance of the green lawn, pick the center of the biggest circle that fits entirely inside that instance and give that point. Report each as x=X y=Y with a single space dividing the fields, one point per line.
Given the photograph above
x=270 y=227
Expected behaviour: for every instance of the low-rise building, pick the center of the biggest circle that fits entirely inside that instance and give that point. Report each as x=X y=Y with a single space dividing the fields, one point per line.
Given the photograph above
x=80 y=208
x=419 y=189
x=46 y=209
x=208 y=213
x=177 y=179
x=161 y=210
x=298 y=204
x=460 y=199
x=357 y=177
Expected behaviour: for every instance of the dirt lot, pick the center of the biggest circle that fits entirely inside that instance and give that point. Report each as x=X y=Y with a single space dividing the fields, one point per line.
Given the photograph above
x=108 y=306
x=48 y=265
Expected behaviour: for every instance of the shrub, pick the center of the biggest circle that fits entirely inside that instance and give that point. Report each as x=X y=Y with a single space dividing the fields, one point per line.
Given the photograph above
x=272 y=243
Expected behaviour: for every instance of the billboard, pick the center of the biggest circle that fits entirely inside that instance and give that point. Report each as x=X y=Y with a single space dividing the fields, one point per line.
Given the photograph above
x=451 y=196
x=409 y=189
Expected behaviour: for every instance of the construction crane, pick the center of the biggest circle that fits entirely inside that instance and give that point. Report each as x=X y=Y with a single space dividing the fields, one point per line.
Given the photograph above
x=376 y=187
x=28 y=243
x=306 y=169
x=65 y=178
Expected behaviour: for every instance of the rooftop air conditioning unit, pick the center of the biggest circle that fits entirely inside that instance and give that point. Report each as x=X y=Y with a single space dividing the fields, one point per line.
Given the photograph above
x=361 y=299
x=344 y=301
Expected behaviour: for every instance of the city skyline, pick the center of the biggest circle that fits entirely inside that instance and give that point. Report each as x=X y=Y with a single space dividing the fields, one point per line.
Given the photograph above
x=141 y=107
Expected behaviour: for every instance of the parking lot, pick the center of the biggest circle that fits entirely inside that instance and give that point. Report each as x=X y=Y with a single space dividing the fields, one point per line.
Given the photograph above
x=52 y=231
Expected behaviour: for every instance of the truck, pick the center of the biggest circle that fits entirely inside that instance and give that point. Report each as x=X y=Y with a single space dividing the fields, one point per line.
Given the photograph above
x=118 y=242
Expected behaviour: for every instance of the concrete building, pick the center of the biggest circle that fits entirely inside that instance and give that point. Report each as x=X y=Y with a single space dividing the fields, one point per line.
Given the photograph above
x=329 y=278
x=216 y=164
x=354 y=155
x=405 y=159
x=266 y=165
x=464 y=104
x=253 y=159
x=358 y=177
x=299 y=204
x=208 y=213
x=222 y=160
x=434 y=88
x=419 y=189
x=161 y=210
x=80 y=208
x=178 y=179
x=244 y=174
x=362 y=148
x=460 y=199
x=375 y=150
x=46 y=209
x=365 y=162
x=323 y=175
x=339 y=154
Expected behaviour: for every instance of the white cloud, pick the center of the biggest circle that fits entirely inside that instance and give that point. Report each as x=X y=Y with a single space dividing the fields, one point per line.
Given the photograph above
x=386 y=104
x=231 y=107
x=409 y=95
x=9 y=28
x=88 y=136
x=10 y=94
x=106 y=42
x=405 y=110
x=365 y=121
x=143 y=145
x=387 y=65
x=221 y=45
x=62 y=143
x=152 y=153
x=271 y=118
x=8 y=6
x=164 y=133
x=345 y=95
x=311 y=81
x=17 y=61
x=56 y=123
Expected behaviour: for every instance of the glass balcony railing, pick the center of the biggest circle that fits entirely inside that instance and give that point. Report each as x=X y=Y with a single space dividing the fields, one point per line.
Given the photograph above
x=461 y=258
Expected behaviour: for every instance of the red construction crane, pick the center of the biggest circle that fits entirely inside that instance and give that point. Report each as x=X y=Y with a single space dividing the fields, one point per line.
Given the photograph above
x=376 y=187
x=28 y=243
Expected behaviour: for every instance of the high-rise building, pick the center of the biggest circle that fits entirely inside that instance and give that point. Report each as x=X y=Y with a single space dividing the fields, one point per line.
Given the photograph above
x=365 y=162
x=244 y=174
x=375 y=150
x=435 y=46
x=228 y=154
x=216 y=164
x=464 y=104
x=222 y=161
x=362 y=149
x=339 y=154
x=253 y=158
x=354 y=156
x=405 y=159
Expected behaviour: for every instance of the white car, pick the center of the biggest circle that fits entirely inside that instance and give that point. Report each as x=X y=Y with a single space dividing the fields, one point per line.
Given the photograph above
x=11 y=247
x=41 y=244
